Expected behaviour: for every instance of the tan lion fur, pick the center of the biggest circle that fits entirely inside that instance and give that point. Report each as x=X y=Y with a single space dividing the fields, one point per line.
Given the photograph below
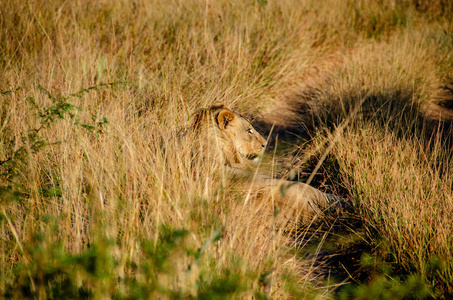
x=227 y=136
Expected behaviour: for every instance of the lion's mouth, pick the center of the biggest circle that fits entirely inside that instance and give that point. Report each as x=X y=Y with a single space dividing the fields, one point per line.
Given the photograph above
x=252 y=156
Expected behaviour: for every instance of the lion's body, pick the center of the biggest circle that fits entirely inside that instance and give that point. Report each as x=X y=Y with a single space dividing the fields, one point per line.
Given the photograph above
x=297 y=198
x=231 y=140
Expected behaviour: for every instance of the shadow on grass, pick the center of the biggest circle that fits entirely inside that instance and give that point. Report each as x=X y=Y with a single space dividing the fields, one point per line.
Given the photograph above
x=313 y=111
x=343 y=247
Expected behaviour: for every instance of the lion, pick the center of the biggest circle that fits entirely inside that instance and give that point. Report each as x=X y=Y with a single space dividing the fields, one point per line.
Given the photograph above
x=231 y=140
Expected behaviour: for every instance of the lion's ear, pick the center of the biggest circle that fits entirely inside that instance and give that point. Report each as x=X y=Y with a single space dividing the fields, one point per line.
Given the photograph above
x=225 y=118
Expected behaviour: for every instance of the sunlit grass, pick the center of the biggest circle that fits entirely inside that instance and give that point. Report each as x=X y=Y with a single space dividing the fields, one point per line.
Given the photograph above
x=100 y=196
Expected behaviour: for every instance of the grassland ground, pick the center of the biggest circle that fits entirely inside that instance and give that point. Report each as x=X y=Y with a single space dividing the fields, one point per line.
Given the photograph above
x=99 y=198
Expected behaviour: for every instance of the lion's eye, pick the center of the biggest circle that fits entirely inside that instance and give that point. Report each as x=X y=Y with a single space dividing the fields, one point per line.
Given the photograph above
x=250 y=131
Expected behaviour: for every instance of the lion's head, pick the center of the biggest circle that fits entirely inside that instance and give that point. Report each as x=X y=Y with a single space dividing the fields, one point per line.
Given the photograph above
x=228 y=134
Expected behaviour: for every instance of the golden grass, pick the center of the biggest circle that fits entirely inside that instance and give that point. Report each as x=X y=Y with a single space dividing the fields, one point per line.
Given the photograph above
x=134 y=178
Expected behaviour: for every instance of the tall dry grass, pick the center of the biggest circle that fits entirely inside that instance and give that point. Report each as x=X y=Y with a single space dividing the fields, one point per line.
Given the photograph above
x=119 y=208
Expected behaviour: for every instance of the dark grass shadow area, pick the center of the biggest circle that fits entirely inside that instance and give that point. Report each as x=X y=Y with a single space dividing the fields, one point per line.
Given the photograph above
x=335 y=245
x=312 y=110
x=342 y=245
x=302 y=117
